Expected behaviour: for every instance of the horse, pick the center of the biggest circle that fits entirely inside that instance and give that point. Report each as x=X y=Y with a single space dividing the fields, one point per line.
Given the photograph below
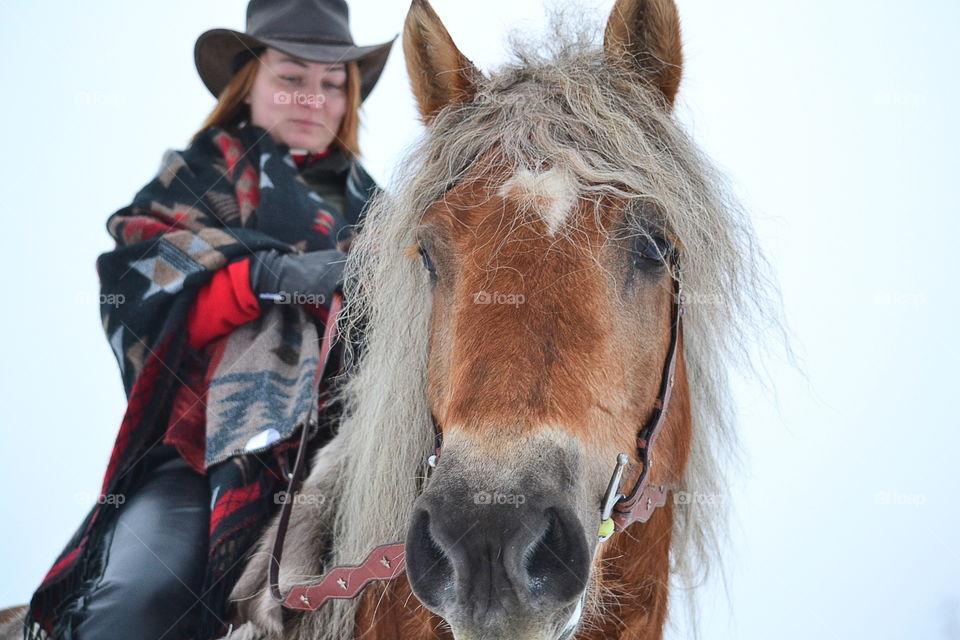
x=517 y=296
x=518 y=293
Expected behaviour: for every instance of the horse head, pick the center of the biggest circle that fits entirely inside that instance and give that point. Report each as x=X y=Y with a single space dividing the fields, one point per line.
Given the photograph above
x=551 y=309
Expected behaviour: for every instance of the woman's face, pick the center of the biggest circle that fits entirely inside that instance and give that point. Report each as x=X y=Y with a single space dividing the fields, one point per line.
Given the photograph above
x=299 y=103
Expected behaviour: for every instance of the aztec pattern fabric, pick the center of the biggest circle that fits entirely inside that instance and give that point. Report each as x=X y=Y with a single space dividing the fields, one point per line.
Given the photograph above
x=263 y=385
x=224 y=197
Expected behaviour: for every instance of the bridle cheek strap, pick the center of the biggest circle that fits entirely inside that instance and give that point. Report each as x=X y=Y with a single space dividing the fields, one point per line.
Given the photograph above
x=640 y=503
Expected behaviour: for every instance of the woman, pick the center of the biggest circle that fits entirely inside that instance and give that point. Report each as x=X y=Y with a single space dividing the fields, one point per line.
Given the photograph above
x=223 y=273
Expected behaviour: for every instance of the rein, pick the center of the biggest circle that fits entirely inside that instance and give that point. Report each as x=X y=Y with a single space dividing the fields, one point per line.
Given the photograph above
x=387 y=561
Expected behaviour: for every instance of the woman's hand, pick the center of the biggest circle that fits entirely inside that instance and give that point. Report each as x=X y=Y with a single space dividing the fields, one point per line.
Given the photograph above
x=297 y=278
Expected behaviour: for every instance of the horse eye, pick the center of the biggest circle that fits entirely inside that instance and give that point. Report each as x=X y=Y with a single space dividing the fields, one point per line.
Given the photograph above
x=427 y=262
x=650 y=250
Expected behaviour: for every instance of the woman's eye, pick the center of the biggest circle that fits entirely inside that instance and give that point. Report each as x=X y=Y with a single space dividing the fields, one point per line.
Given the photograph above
x=332 y=86
x=427 y=262
x=290 y=79
x=650 y=250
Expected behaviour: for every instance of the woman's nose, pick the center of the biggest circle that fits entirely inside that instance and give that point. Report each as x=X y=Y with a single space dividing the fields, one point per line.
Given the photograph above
x=312 y=101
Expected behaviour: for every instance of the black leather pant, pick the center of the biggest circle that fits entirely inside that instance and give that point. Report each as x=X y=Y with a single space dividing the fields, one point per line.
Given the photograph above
x=157 y=550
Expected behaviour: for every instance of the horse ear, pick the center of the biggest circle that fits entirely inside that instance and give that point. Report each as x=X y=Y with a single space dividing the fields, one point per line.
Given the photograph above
x=439 y=73
x=644 y=36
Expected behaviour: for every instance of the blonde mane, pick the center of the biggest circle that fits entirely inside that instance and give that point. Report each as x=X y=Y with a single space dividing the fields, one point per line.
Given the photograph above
x=564 y=107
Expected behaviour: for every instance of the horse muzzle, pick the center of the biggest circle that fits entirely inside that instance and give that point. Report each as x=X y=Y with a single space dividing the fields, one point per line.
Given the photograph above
x=494 y=561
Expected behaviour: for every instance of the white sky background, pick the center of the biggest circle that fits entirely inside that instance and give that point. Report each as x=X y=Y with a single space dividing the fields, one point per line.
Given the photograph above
x=837 y=121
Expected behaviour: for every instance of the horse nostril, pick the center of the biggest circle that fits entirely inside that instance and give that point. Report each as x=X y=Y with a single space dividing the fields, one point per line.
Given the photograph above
x=428 y=566
x=557 y=564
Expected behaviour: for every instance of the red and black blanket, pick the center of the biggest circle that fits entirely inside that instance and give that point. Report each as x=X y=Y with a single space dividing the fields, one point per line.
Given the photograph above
x=220 y=200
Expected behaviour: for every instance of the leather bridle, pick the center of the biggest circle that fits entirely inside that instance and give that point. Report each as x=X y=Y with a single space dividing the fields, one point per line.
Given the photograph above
x=387 y=561
x=638 y=505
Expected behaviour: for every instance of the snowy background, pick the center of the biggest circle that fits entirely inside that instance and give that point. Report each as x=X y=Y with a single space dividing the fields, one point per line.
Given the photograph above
x=836 y=121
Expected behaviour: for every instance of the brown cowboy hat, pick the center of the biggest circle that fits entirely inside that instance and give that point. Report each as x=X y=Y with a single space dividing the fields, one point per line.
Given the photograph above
x=314 y=30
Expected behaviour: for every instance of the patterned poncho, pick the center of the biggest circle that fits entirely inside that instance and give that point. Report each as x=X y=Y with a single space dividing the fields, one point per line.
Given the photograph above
x=222 y=199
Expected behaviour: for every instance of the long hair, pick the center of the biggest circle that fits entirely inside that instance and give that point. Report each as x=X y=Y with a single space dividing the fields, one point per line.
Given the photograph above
x=231 y=111
x=566 y=105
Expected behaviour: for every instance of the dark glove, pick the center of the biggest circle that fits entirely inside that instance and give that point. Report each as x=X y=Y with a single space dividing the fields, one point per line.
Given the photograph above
x=297 y=278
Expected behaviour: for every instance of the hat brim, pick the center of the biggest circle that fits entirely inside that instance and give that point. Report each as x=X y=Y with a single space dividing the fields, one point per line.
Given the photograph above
x=216 y=49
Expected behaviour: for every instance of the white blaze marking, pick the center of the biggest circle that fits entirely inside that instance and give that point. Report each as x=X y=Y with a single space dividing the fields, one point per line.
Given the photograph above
x=552 y=193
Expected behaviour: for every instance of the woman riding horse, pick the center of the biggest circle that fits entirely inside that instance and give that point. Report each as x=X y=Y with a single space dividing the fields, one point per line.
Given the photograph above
x=226 y=264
